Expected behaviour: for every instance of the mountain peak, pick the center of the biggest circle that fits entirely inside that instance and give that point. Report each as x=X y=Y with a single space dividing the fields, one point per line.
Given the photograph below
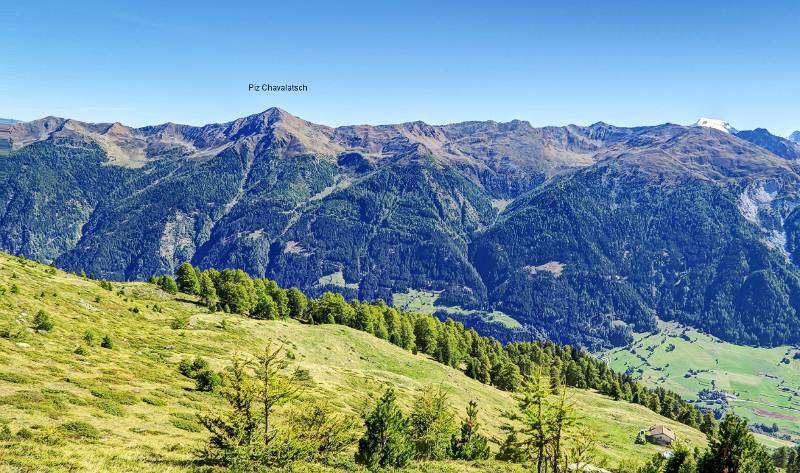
x=716 y=124
x=795 y=137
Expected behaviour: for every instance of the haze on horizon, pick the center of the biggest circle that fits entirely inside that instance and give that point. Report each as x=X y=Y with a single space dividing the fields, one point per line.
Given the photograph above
x=190 y=62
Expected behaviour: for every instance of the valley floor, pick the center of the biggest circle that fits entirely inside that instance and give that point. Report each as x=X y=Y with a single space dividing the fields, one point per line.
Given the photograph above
x=759 y=384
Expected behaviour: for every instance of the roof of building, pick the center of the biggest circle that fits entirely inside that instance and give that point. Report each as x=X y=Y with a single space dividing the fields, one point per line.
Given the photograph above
x=661 y=430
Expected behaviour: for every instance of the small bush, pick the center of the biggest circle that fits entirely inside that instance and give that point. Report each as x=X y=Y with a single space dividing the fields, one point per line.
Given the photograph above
x=187 y=425
x=88 y=337
x=16 y=334
x=185 y=367
x=178 y=323
x=153 y=401
x=42 y=321
x=207 y=380
x=15 y=378
x=14 y=289
x=98 y=299
x=80 y=350
x=110 y=407
x=79 y=430
x=120 y=397
x=107 y=342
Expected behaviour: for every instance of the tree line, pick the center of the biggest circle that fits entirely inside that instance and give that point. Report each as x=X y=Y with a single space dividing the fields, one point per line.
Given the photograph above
x=543 y=431
x=451 y=343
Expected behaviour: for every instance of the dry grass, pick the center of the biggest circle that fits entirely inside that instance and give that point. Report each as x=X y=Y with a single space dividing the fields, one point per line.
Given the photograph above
x=143 y=410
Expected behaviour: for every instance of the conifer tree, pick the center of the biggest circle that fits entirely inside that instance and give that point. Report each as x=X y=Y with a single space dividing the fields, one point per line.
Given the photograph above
x=432 y=425
x=386 y=442
x=732 y=449
x=187 y=280
x=168 y=285
x=469 y=444
x=208 y=293
x=297 y=302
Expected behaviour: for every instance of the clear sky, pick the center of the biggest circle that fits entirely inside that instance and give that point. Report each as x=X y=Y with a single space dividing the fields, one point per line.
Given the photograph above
x=551 y=63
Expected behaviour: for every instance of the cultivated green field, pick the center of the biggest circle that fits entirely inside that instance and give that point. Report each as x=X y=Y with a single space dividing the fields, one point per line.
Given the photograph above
x=764 y=382
x=144 y=411
x=415 y=300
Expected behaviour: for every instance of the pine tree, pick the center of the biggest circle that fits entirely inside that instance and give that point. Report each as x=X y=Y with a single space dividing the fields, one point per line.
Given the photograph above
x=425 y=333
x=234 y=434
x=562 y=419
x=708 y=424
x=732 y=448
x=469 y=444
x=208 y=293
x=274 y=388
x=297 y=303
x=265 y=309
x=168 y=285
x=432 y=425
x=386 y=442
x=188 y=282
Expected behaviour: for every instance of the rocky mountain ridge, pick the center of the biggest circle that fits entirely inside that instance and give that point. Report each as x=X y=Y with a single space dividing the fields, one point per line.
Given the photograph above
x=580 y=234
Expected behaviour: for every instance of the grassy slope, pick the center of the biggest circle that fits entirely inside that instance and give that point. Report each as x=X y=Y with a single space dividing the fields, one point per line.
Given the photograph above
x=767 y=389
x=143 y=407
x=415 y=300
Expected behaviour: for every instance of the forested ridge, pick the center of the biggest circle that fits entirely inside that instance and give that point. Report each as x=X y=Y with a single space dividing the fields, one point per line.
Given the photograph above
x=582 y=235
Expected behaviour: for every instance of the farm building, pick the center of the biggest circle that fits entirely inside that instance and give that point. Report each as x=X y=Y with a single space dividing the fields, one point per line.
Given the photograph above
x=660 y=435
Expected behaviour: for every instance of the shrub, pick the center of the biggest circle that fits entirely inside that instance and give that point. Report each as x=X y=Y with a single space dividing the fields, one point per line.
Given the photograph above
x=168 y=285
x=79 y=430
x=88 y=337
x=42 y=321
x=153 y=401
x=14 y=378
x=185 y=367
x=80 y=350
x=107 y=342
x=14 y=289
x=207 y=380
x=13 y=333
x=187 y=425
x=5 y=433
x=178 y=323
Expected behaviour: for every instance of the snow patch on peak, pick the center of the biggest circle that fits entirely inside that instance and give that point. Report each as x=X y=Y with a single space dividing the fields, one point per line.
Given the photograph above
x=795 y=137
x=716 y=124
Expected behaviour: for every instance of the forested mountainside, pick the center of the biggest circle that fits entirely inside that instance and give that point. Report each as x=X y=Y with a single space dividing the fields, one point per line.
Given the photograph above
x=577 y=234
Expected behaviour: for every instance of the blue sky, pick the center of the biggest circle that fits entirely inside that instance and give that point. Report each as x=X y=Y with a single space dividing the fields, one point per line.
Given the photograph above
x=551 y=63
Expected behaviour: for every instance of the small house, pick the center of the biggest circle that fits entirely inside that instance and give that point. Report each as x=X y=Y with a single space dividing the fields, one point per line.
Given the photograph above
x=660 y=435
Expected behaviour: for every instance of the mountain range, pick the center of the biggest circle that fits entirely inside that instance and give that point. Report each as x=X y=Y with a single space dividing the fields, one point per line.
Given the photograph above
x=580 y=234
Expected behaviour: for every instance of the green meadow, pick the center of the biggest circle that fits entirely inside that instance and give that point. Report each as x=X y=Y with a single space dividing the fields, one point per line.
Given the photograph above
x=763 y=383
x=73 y=406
